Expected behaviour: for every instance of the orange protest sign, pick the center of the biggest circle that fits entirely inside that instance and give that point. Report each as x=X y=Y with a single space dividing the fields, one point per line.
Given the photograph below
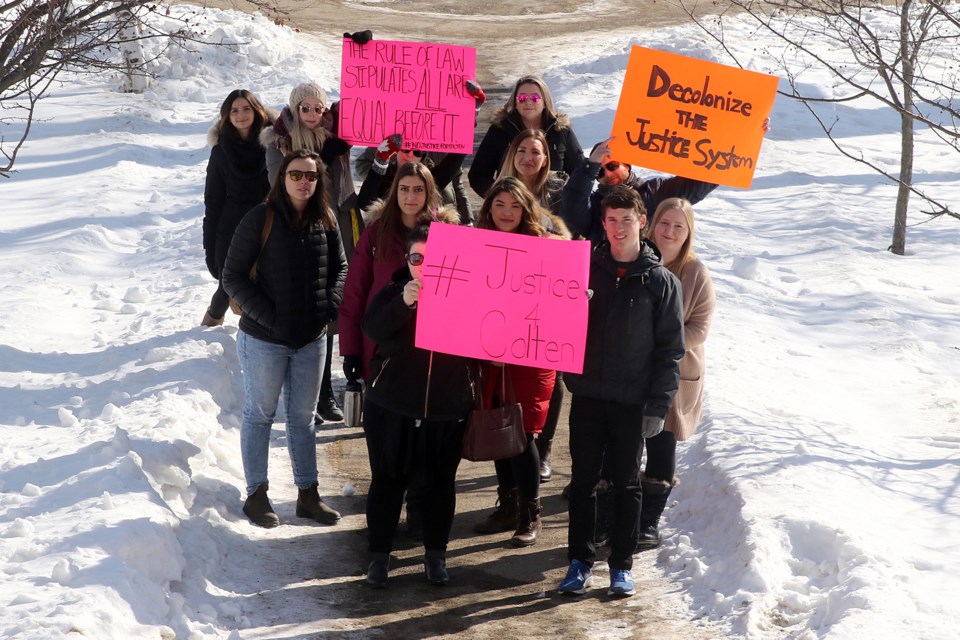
x=692 y=118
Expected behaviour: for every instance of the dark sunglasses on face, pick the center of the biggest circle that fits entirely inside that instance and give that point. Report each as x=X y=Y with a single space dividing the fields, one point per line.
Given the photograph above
x=306 y=108
x=611 y=166
x=533 y=97
x=297 y=175
x=417 y=153
x=415 y=259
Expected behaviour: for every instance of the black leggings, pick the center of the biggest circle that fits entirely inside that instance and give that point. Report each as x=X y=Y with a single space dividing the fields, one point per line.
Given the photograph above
x=521 y=471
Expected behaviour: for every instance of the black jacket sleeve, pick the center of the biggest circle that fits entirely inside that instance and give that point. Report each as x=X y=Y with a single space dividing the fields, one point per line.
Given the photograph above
x=244 y=251
x=575 y=202
x=387 y=314
x=214 y=198
x=337 y=267
x=573 y=156
x=656 y=190
x=369 y=190
x=486 y=161
x=668 y=346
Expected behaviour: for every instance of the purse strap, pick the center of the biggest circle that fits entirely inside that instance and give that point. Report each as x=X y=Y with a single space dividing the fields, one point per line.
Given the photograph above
x=503 y=383
x=264 y=234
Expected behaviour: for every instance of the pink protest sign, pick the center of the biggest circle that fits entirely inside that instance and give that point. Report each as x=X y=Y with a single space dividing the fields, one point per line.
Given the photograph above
x=415 y=89
x=505 y=297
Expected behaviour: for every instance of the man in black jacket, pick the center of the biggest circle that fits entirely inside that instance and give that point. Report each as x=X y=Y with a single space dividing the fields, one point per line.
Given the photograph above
x=580 y=207
x=630 y=374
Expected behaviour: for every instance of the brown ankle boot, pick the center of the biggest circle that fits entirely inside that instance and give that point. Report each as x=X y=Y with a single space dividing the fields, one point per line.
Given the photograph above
x=257 y=508
x=530 y=524
x=505 y=516
x=309 y=505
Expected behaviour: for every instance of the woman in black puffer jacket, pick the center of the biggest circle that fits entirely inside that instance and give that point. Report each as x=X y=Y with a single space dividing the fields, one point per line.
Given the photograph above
x=530 y=106
x=236 y=182
x=294 y=244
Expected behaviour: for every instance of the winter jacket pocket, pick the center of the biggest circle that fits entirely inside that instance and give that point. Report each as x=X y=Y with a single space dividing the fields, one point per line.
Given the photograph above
x=688 y=395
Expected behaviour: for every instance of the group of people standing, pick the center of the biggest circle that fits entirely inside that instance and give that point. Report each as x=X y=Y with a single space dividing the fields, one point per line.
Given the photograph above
x=284 y=220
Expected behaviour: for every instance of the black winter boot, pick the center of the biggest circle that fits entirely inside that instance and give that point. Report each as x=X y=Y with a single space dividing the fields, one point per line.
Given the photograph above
x=309 y=505
x=377 y=570
x=529 y=525
x=655 y=494
x=257 y=508
x=504 y=518
x=435 y=567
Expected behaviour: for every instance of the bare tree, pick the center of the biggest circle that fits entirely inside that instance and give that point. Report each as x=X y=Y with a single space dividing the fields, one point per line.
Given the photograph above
x=902 y=68
x=39 y=39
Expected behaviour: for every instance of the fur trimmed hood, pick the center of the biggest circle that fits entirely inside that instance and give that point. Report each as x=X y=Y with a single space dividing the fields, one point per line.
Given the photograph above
x=278 y=135
x=446 y=213
x=556 y=226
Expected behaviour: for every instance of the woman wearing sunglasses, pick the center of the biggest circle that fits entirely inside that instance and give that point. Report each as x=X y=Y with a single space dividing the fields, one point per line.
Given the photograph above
x=413 y=419
x=307 y=124
x=530 y=107
x=236 y=182
x=285 y=268
x=511 y=208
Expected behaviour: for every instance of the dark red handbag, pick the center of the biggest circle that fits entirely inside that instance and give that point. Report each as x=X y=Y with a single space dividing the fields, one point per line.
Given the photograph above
x=495 y=433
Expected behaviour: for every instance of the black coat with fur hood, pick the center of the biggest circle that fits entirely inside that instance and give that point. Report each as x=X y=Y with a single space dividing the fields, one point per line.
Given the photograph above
x=566 y=154
x=236 y=183
x=408 y=380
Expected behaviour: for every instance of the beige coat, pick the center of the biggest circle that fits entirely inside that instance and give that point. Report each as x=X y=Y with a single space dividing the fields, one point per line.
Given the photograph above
x=699 y=302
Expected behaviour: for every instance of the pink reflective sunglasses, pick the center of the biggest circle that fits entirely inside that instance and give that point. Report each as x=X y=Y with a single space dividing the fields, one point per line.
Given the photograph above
x=533 y=97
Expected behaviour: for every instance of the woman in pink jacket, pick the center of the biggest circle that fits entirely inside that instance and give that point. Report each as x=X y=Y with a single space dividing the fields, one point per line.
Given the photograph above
x=672 y=232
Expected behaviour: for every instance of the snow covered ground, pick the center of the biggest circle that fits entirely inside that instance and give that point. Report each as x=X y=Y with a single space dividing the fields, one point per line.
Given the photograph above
x=819 y=499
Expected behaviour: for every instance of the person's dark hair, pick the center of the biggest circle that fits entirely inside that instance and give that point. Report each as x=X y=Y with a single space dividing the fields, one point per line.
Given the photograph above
x=533 y=213
x=623 y=197
x=391 y=227
x=418 y=234
x=260 y=117
x=318 y=210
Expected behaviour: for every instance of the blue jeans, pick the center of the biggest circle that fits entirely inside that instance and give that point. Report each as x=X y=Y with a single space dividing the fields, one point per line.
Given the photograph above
x=269 y=368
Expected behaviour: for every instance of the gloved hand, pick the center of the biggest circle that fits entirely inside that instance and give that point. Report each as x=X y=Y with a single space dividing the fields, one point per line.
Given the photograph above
x=474 y=90
x=360 y=37
x=333 y=148
x=352 y=368
x=386 y=150
x=652 y=425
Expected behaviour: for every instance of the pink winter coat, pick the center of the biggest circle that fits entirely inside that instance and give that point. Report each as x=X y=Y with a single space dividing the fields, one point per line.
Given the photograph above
x=699 y=302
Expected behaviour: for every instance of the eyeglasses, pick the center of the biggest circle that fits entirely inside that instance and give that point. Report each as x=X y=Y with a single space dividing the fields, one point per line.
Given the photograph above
x=611 y=166
x=533 y=97
x=417 y=153
x=297 y=175
x=306 y=108
x=415 y=259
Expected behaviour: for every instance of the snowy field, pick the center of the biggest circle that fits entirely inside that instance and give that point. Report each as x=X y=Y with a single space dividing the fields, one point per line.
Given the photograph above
x=819 y=498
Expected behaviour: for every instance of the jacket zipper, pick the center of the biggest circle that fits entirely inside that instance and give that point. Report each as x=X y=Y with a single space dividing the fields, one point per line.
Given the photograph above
x=382 y=369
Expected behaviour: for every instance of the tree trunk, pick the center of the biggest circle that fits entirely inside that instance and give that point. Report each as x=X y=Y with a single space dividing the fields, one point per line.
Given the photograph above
x=899 y=244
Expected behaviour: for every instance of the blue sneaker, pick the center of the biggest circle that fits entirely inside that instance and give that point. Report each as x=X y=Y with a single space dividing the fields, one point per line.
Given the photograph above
x=578 y=578
x=621 y=583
